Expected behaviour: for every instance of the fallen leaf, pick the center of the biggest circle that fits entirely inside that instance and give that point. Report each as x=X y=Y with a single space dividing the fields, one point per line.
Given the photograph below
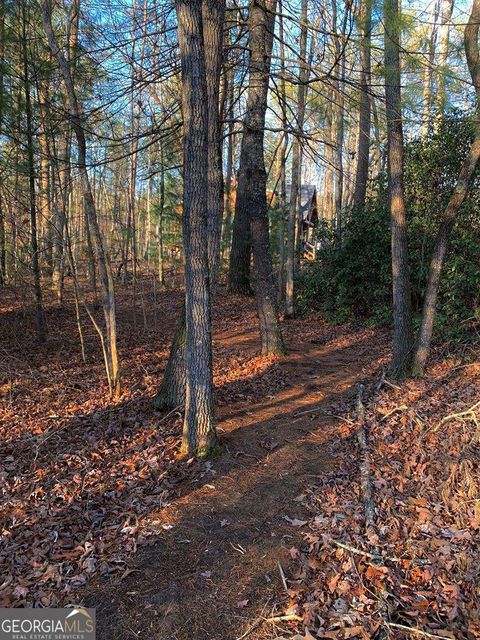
x=295 y=522
x=352 y=632
x=242 y=604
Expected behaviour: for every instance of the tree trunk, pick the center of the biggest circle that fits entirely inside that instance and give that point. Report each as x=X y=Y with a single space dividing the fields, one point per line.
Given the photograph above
x=91 y=269
x=132 y=190
x=400 y=274
x=251 y=200
x=199 y=425
x=62 y=193
x=148 y=220
x=240 y=252
x=213 y=14
x=230 y=134
x=282 y=178
x=31 y=181
x=172 y=391
x=428 y=73
x=340 y=43
x=3 y=252
x=329 y=184
x=296 y=177
x=63 y=168
x=43 y=195
x=161 y=266
x=458 y=196
x=443 y=43
x=104 y=267
x=350 y=168
x=239 y=271
x=363 y=150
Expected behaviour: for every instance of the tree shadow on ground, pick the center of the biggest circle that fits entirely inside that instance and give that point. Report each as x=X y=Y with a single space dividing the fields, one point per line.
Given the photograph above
x=188 y=582
x=229 y=528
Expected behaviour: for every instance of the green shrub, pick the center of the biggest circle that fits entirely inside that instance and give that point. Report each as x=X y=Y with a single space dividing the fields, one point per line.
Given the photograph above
x=354 y=281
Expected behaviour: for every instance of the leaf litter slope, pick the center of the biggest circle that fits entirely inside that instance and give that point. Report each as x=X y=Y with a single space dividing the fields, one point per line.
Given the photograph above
x=87 y=482
x=97 y=508
x=424 y=454
x=215 y=567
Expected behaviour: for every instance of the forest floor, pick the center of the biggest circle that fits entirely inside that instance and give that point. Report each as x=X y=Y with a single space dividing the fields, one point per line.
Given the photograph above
x=97 y=507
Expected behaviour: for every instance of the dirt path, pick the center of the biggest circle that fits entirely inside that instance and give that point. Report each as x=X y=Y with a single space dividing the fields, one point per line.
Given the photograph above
x=229 y=526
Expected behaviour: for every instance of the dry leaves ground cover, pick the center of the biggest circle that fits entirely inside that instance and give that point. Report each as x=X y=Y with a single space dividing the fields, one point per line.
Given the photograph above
x=96 y=506
x=418 y=575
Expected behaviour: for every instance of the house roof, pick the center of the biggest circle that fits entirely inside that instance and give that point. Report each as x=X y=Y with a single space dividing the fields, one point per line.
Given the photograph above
x=308 y=196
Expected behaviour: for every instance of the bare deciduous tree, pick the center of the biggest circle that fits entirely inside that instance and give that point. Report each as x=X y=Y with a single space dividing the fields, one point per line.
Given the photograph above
x=104 y=267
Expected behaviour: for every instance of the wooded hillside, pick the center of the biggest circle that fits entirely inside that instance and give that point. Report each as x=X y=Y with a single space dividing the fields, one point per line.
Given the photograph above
x=240 y=305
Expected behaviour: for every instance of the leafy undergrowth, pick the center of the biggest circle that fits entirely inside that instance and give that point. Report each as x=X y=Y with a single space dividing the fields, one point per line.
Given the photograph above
x=419 y=571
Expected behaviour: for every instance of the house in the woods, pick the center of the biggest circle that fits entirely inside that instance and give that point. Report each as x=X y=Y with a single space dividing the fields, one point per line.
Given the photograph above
x=308 y=217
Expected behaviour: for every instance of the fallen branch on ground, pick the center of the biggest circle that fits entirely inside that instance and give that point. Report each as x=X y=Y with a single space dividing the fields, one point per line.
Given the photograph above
x=366 y=484
x=470 y=412
x=282 y=576
x=365 y=466
x=392 y=386
x=377 y=557
x=290 y=617
x=402 y=407
x=418 y=632
x=165 y=417
x=325 y=413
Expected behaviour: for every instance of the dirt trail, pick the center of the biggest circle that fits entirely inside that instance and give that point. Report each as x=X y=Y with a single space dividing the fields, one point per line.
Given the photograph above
x=229 y=527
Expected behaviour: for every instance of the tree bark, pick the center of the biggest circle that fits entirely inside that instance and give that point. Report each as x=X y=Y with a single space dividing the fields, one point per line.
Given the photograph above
x=239 y=272
x=282 y=177
x=63 y=168
x=458 y=196
x=240 y=253
x=252 y=179
x=213 y=15
x=132 y=191
x=172 y=391
x=229 y=112
x=3 y=251
x=282 y=208
x=60 y=207
x=329 y=184
x=44 y=187
x=400 y=269
x=161 y=269
x=199 y=425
